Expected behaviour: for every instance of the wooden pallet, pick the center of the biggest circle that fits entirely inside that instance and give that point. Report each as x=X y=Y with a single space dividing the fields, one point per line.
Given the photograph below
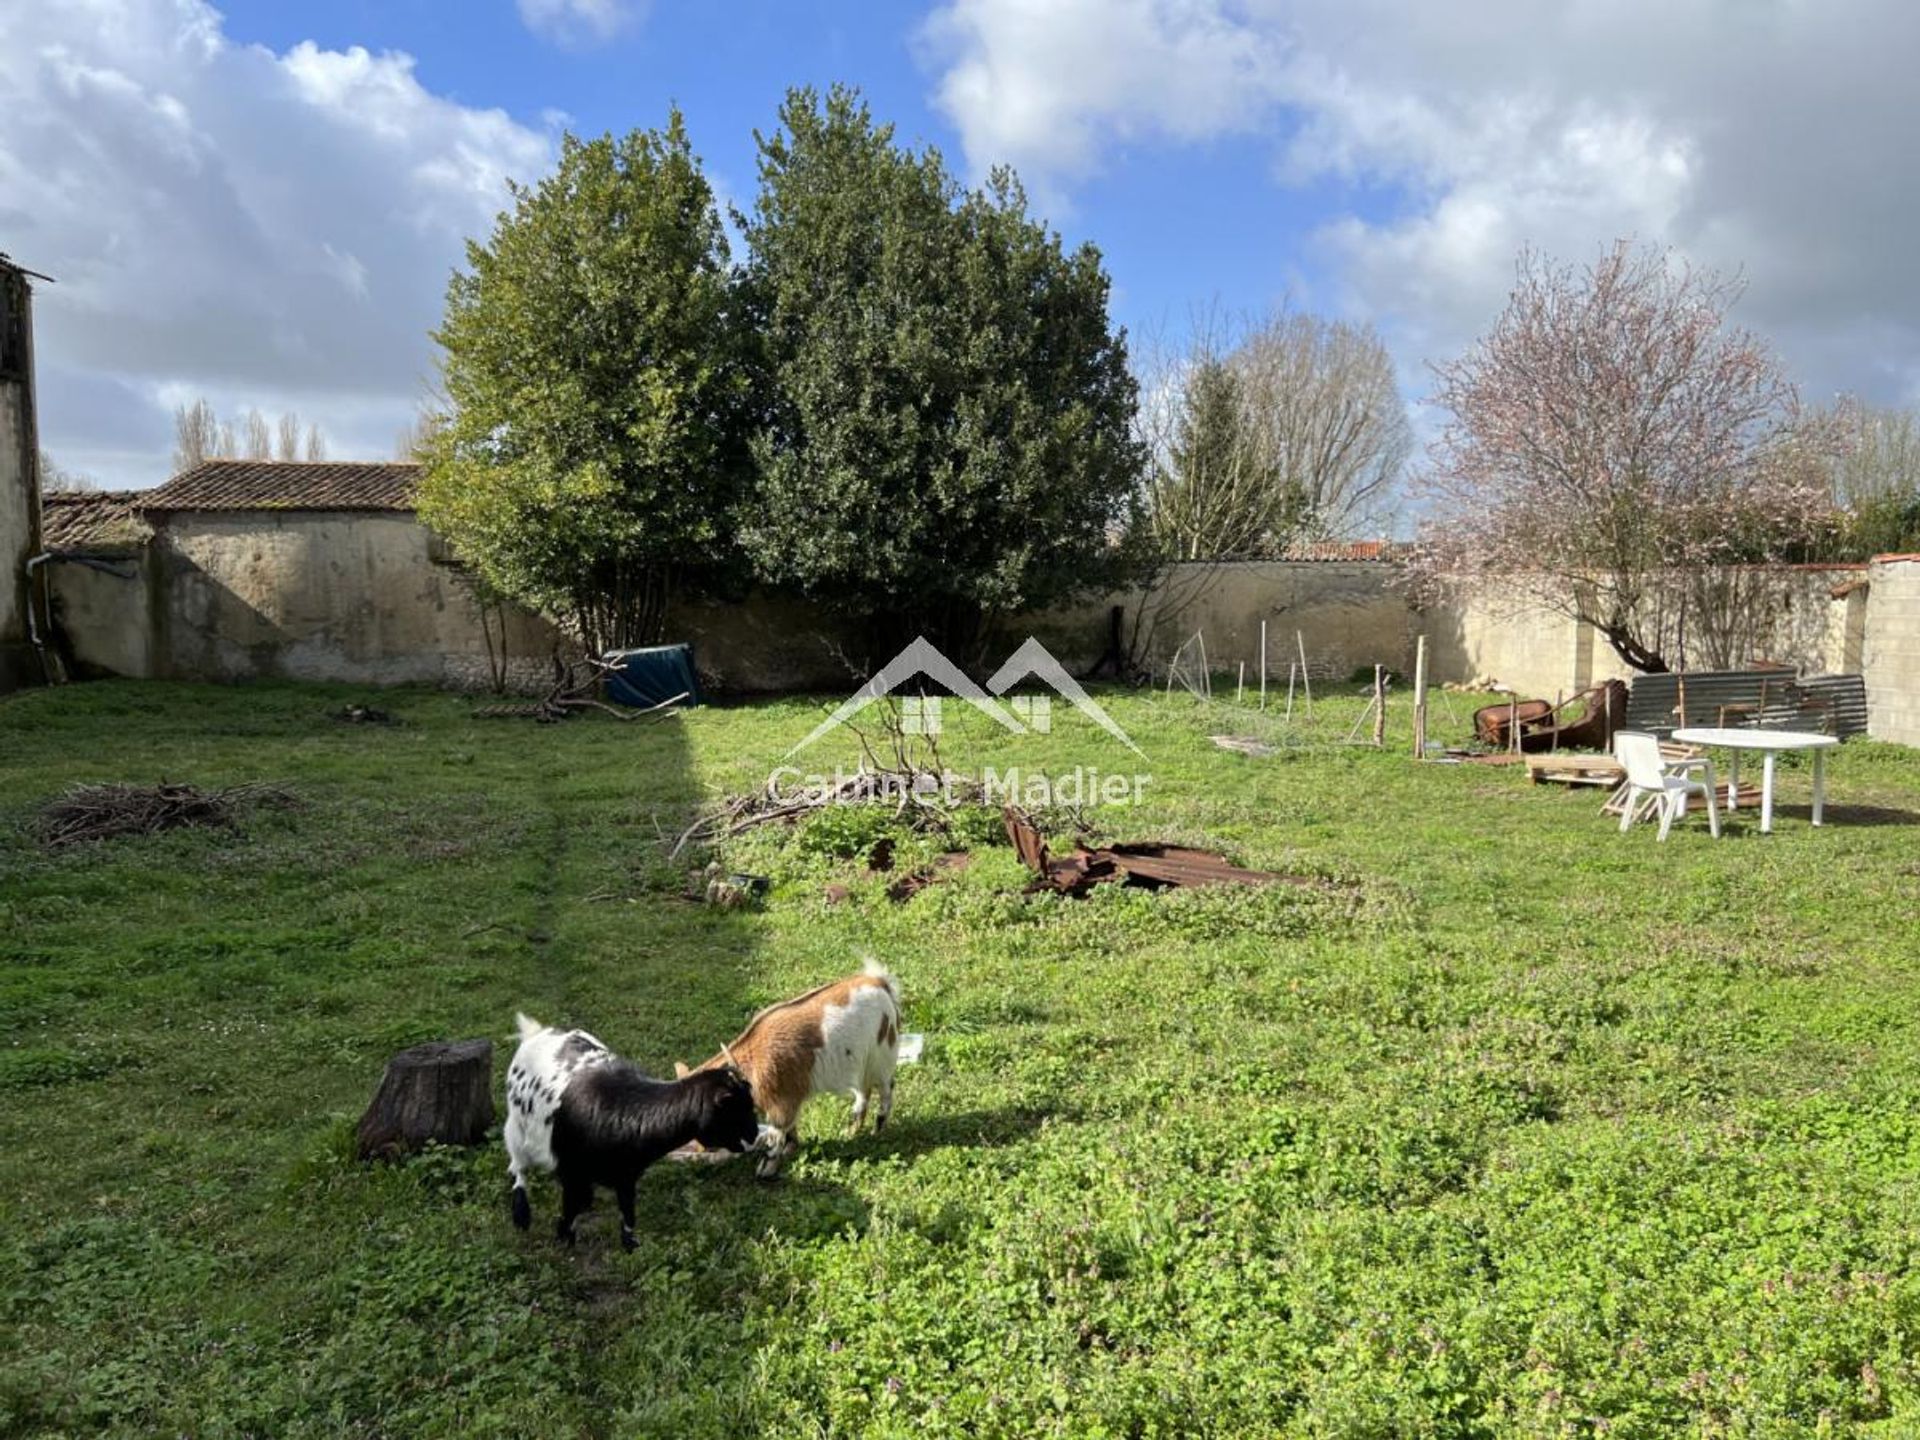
x=1749 y=800
x=1567 y=768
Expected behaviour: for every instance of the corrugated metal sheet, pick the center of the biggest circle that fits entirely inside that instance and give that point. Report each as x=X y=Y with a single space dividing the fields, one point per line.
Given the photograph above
x=1844 y=698
x=1774 y=699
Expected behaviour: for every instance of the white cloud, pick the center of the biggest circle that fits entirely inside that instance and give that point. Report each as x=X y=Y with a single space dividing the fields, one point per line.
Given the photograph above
x=1768 y=137
x=579 y=22
x=262 y=229
x=1052 y=88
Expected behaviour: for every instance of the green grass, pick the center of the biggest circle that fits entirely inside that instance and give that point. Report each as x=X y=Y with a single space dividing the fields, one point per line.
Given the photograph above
x=1514 y=1127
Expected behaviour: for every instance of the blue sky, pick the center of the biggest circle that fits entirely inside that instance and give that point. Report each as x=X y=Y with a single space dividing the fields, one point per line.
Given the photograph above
x=259 y=203
x=1181 y=225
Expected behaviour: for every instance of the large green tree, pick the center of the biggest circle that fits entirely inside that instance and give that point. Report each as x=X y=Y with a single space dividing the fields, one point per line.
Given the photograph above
x=946 y=416
x=588 y=461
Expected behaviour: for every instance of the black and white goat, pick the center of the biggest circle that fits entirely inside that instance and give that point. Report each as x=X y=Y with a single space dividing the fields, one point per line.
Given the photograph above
x=578 y=1110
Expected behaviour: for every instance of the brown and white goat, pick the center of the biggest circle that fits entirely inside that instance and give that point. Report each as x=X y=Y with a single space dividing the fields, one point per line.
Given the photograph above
x=840 y=1039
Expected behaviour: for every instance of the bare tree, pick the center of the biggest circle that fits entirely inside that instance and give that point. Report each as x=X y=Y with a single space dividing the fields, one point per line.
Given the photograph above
x=55 y=478
x=1611 y=439
x=259 y=440
x=1327 y=420
x=1262 y=434
x=200 y=435
x=197 y=438
x=412 y=442
x=1881 y=459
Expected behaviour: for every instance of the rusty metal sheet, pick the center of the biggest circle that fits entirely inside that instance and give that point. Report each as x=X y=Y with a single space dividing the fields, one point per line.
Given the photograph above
x=1150 y=865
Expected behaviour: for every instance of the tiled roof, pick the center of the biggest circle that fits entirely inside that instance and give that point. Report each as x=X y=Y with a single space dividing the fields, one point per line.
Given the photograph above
x=76 y=520
x=288 y=485
x=1331 y=550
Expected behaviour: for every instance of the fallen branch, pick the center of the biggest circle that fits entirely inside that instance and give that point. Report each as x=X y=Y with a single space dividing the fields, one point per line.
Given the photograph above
x=904 y=771
x=87 y=813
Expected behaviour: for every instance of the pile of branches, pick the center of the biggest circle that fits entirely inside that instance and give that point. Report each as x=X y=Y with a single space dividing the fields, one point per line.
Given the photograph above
x=904 y=770
x=87 y=813
x=571 y=693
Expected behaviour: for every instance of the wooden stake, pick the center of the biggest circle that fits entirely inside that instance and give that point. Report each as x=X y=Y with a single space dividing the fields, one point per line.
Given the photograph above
x=1263 y=664
x=1240 y=695
x=1206 y=671
x=1306 y=680
x=1420 y=698
x=1291 y=668
x=1379 y=707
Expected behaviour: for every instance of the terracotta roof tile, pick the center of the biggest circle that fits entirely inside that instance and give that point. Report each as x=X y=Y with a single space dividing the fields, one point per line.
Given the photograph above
x=288 y=485
x=1334 y=550
x=76 y=520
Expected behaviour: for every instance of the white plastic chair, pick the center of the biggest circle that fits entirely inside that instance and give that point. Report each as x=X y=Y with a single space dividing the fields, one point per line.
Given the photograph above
x=1667 y=783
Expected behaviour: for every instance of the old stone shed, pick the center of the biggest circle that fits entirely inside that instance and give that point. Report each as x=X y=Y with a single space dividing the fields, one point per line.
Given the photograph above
x=307 y=570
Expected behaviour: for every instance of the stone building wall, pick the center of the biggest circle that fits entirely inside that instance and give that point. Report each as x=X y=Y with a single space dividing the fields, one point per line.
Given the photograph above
x=1892 y=649
x=19 y=479
x=326 y=595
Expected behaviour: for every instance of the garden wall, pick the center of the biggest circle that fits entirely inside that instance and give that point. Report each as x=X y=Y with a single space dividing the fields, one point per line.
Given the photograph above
x=325 y=595
x=1786 y=615
x=367 y=597
x=1346 y=615
x=1892 y=651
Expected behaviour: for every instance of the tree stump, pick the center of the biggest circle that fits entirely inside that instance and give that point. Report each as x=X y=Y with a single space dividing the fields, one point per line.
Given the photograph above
x=440 y=1091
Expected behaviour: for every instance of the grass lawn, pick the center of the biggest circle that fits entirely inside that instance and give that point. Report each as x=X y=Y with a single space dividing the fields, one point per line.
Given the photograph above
x=1515 y=1127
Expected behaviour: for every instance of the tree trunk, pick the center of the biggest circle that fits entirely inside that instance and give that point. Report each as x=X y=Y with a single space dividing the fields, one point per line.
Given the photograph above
x=439 y=1091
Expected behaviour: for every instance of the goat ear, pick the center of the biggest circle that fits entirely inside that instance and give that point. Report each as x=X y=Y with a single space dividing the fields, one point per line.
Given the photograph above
x=680 y=1071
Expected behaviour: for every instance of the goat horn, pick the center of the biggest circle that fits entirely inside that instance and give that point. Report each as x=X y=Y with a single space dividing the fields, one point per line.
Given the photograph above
x=724 y=1050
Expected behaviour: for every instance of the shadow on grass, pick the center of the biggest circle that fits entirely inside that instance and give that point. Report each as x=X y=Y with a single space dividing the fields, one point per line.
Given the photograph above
x=907 y=1135
x=1870 y=815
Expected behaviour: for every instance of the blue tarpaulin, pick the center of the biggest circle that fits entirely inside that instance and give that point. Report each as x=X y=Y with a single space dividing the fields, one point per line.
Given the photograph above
x=652 y=676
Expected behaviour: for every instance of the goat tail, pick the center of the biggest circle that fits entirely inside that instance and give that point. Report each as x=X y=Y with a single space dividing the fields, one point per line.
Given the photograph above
x=528 y=1026
x=874 y=970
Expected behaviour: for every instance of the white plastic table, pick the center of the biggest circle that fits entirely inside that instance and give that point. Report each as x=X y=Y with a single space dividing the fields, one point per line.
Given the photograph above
x=1770 y=743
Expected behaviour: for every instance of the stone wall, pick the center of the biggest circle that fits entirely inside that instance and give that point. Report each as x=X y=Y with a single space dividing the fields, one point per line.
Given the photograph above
x=104 y=618
x=1346 y=616
x=325 y=596
x=768 y=643
x=368 y=598
x=1787 y=615
x=1892 y=649
x=19 y=483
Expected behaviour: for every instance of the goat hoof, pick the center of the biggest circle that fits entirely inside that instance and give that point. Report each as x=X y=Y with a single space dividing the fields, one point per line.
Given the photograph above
x=627 y=1242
